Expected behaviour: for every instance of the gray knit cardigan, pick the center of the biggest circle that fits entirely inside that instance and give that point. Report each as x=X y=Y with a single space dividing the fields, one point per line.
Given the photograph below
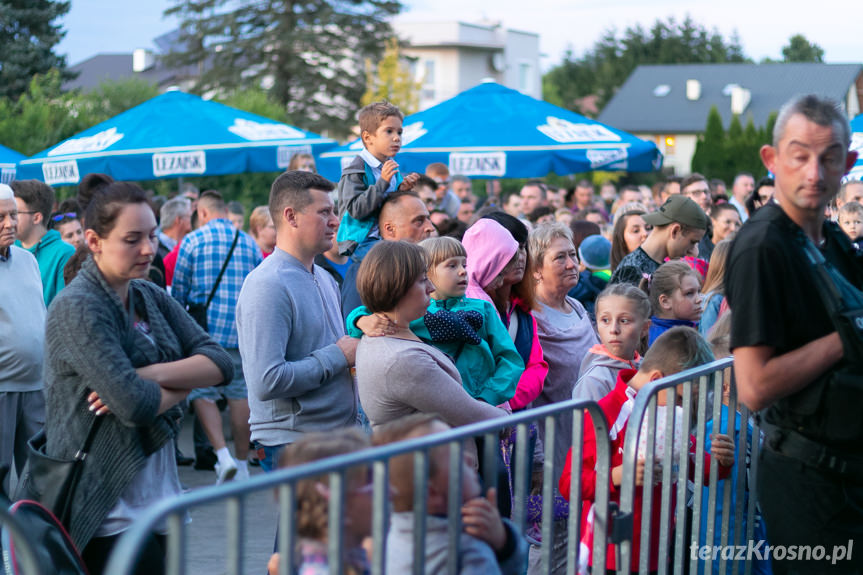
x=91 y=346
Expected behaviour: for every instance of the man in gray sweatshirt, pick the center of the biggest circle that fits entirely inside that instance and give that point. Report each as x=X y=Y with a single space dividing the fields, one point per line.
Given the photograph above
x=296 y=357
x=22 y=340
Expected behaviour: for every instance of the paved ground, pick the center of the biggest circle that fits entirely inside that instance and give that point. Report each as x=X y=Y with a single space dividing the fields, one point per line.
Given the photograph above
x=206 y=534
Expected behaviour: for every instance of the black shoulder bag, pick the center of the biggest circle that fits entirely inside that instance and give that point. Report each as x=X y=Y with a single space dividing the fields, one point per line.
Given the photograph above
x=839 y=392
x=52 y=481
x=199 y=311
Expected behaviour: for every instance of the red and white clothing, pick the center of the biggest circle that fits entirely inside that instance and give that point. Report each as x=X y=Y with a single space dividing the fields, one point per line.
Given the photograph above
x=617 y=407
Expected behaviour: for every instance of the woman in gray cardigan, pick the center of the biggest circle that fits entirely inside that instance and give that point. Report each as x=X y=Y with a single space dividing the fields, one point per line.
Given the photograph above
x=120 y=348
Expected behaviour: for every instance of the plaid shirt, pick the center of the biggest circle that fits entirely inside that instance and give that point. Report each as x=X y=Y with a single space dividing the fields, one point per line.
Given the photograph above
x=202 y=253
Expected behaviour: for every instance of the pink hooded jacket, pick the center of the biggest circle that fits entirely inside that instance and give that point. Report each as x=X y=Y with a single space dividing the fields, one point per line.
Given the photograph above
x=489 y=248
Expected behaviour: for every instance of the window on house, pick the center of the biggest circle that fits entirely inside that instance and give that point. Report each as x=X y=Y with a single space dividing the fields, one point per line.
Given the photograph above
x=525 y=77
x=669 y=143
x=428 y=81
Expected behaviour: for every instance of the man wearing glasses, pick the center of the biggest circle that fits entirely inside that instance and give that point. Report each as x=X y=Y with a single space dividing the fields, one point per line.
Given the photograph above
x=696 y=188
x=447 y=201
x=35 y=201
x=22 y=339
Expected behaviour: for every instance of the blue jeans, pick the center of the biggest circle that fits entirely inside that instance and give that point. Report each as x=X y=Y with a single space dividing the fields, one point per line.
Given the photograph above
x=268 y=455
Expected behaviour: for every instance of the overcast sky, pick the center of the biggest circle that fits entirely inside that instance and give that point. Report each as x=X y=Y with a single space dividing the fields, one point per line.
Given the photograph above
x=108 y=26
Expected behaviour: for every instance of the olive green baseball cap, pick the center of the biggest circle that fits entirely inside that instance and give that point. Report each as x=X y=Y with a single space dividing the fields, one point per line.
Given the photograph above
x=678 y=209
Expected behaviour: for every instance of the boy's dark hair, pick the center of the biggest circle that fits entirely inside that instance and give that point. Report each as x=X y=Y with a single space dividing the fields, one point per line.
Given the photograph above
x=292 y=189
x=89 y=186
x=425 y=182
x=38 y=196
x=691 y=179
x=539 y=212
x=373 y=115
x=676 y=350
x=237 y=208
x=402 y=466
x=453 y=229
x=582 y=229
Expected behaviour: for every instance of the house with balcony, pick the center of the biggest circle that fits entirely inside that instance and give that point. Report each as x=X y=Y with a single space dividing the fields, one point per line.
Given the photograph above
x=450 y=57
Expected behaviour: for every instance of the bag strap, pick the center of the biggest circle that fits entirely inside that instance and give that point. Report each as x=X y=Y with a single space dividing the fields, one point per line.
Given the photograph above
x=827 y=289
x=222 y=271
x=81 y=454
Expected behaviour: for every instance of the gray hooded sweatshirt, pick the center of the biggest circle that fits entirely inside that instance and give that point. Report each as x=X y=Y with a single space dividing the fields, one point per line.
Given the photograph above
x=599 y=371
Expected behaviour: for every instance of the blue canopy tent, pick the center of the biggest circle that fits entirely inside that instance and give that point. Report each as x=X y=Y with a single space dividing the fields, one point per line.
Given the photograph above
x=494 y=131
x=856 y=172
x=8 y=161
x=173 y=135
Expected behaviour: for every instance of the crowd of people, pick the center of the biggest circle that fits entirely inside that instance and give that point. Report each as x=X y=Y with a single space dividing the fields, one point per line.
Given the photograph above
x=393 y=305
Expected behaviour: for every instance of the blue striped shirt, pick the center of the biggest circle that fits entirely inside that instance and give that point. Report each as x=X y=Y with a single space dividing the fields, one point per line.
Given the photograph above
x=202 y=253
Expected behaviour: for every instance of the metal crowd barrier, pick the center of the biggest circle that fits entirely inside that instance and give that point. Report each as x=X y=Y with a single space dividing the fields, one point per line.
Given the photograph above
x=674 y=533
x=284 y=481
x=700 y=392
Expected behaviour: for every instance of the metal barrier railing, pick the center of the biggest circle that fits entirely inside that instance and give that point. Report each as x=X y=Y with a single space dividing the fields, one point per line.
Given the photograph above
x=705 y=384
x=125 y=554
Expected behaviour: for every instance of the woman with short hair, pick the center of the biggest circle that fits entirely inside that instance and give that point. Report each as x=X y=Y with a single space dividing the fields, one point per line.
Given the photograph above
x=398 y=374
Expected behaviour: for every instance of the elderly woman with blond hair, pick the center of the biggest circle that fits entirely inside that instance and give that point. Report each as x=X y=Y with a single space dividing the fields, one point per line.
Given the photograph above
x=565 y=333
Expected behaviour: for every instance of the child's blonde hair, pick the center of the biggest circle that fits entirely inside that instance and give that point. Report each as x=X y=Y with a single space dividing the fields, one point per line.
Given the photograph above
x=851 y=208
x=714 y=281
x=630 y=292
x=439 y=250
x=668 y=278
x=313 y=505
x=372 y=116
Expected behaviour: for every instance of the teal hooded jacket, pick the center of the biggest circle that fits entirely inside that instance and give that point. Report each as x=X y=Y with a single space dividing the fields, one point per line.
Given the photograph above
x=51 y=254
x=489 y=370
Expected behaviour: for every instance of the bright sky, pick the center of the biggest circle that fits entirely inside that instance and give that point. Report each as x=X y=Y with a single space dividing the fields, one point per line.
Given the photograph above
x=105 y=26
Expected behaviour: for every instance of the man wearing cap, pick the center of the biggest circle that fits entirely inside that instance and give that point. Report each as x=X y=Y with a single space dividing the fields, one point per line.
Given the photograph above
x=22 y=340
x=678 y=226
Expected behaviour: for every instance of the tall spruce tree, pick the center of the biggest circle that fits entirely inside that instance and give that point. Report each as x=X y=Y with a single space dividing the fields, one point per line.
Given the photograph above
x=29 y=35
x=309 y=54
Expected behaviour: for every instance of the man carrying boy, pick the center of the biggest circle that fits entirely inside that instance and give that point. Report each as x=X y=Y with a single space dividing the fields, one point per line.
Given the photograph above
x=678 y=225
x=489 y=544
x=676 y=350
x=370 y=177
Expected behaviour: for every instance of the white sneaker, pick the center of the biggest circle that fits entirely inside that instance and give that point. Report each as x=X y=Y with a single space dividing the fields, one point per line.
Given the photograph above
x=225 y=473
x=242 y=473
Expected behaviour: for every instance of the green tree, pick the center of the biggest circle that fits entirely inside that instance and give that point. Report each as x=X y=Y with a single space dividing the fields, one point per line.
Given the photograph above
x=257 y=101
x=44 y=115
x=29 y=36
x=391 y=80
x=721 y=154
x=307 y=54
x=605 y=66
x=709 y=156
x=799 y=49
